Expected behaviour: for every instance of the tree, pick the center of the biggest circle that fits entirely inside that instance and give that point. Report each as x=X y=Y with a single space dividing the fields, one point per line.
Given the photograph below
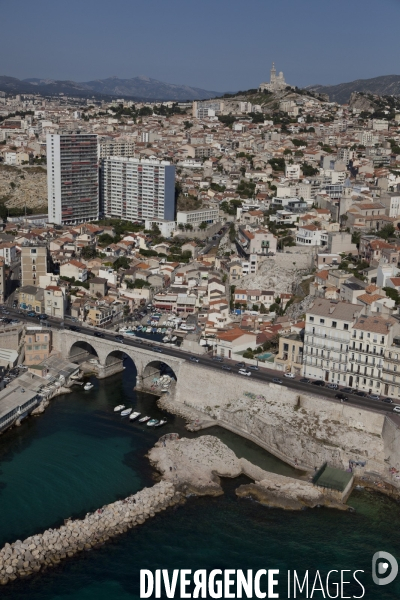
x=189 y=227
x=105 y=239
x=386 y=232
x=343 y=220
x=155 y=229
x=203 y=225
x=393 y=294
x=89 y=252
x=263 y=309
x=356 y=238
x=121 y=262
x=232 y=233
x=181 y=226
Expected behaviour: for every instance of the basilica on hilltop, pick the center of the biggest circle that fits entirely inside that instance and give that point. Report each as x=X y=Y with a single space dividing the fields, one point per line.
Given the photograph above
x=277 y=82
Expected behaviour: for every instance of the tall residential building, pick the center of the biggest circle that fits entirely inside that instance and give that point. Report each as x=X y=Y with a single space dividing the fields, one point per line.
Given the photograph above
x=116 y=148
x=33 y=264
x=136 y=189
x=72 y=178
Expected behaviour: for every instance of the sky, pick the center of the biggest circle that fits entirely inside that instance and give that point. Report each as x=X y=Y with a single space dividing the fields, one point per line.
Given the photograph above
x=217 y=45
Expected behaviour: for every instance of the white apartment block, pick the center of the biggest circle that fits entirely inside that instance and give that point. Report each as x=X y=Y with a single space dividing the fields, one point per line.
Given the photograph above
x=72 y=178
x=134 y=189
x=311 y=235
x=292 y=171
x=327 y=338
x=196 y=217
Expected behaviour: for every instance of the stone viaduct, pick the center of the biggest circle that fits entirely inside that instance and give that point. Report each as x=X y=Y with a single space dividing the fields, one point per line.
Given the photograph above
x=80 y=347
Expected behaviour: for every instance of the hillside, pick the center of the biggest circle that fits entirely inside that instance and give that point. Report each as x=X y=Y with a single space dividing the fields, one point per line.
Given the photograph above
x=385 y=85
x=23 y=185
x=136 y=88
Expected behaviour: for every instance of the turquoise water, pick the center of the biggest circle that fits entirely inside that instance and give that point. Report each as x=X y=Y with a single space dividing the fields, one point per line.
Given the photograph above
x=80 y=455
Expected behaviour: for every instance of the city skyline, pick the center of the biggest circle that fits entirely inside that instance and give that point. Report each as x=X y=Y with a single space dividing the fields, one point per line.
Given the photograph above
x=88 y=42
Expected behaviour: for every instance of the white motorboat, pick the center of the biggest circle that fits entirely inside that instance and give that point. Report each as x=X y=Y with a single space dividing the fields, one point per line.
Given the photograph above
x=88 y=386
x=126 y=412
x=153 y=422
x=134 y=416
x=123 y=330
x=174 y=338
x=144 y=419
x=164 y=390
x=119 y=407
x=160 y=423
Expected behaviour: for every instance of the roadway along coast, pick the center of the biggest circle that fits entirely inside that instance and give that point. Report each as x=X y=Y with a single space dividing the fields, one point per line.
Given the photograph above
x=263 y=374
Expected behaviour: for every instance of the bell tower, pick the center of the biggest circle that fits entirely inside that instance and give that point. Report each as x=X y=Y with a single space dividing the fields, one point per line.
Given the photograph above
x=273 y=74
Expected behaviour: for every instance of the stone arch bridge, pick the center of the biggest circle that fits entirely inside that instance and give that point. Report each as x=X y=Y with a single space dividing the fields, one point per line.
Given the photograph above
x=79 y=347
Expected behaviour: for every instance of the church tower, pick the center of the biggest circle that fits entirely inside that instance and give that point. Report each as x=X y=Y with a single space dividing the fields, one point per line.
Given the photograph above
x=273 y=74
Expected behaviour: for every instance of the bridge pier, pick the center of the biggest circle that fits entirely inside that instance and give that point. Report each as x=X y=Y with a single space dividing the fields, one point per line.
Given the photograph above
x=104 y=371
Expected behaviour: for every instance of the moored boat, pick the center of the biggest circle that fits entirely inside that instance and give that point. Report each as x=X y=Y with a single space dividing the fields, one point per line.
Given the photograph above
x=161 y=423
x=153 y=422
x=119 y=407
x=88 y=386
x=134 y=416
x=144 y=419
x=126 y=412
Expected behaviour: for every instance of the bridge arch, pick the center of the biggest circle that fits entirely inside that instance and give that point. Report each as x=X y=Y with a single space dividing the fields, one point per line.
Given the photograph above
x=81 y=351
x=154 y=369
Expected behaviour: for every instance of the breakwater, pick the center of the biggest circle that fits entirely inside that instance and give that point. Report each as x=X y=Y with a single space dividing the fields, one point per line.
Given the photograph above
x=48 y=549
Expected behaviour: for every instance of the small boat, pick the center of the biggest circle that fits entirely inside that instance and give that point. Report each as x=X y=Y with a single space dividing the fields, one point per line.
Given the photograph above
x=119 y=407
x=134 y=416
x=153 y=423
x=161 y=423
x=174 y=338
x=164 y=390
x=88 y=386
x=123 y=330
x=130 y=332
x=154 y=330
x=163 y=330
x=165 y=339
x=144 y=419
x=159 y=330
x=126 y=412
x=148 y=330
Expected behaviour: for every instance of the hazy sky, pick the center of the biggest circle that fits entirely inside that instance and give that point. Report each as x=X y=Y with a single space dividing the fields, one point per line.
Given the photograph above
x=219 y=45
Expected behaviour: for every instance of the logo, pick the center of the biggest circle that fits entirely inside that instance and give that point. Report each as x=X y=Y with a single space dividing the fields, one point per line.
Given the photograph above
x=381 y=561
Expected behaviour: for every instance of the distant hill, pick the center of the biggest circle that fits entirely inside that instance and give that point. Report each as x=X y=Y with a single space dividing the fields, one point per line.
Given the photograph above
x=385 y=85
x=137 y=88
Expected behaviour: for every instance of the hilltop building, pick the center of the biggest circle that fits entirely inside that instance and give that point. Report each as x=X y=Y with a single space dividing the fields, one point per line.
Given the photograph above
x=276 y=83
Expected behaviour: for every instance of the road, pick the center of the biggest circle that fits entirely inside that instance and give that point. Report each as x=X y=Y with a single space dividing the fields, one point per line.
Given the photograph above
x=263 y=374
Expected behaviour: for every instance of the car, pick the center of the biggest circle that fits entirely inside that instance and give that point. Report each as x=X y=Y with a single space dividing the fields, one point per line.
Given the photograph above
x=253 y=367
x=341 y=397
x=333 y=386
x=304 y=380
x=31 y=314
x=158 y=350
x=226 y=368
x=194 y=359
x=388 y=400
x=396 y=408
x=318 y=382
x=362 y=394
x=373 y=397
x=74 y=328
x=99 y=334
x=241 y=365
x=43 y=317
x=218 y=358
x=244 y=372
x=277 y=380
x=118 y=339
x=289 y=375
x=347 y=390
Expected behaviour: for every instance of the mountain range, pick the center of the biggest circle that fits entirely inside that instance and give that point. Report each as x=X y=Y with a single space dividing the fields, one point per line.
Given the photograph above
x=137 y=88
x=385 y=85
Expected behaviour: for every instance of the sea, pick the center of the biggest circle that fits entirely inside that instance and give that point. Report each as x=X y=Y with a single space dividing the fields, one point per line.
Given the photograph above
x=80 y=455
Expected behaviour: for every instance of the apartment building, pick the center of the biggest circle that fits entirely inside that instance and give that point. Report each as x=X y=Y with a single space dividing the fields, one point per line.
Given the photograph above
x=311 y=235
x=259 y=242
x=136 y=189
x=54 y=301
x=37 y=345
x=116 y=148
x=74 y=269
x=327 y=338
x=33 y=264
x=72 y=178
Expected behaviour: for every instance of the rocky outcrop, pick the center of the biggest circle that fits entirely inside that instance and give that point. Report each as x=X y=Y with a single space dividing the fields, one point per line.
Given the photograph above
x=48 y=549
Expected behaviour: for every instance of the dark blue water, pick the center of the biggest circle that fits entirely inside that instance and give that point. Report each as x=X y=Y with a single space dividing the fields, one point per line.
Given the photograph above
x=80 y=455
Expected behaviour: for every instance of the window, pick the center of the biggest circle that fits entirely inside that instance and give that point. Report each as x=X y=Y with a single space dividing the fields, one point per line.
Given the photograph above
x=312 y=319
x=322 y=321
x=334 y=323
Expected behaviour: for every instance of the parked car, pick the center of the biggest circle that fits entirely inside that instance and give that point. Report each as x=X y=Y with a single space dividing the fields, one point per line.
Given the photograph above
x=74 y=328
x=396 y=408
x=362 y=394
x=253 y=367
x=118 y=338
x=43 y=317
x=289 y=375
x=241 y=365
x=194 y=359
x=226 y=368
x=244 y=372
x=373 y=396
x=277 y=380
x=218 y=358
x=388 y=400
x=332 y=386
x=347 y=390
x=158 y=349
x=341 y=396
x=304 y=380
x=99 y=334
x=30 y=314
x=318 y=382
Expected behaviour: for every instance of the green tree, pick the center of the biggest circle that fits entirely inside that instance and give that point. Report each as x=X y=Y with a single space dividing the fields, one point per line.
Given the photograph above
x=393 y=294
x=89 y=252
x=386 y=232
x=203 y=225
x=105 y=239
x=121 y=263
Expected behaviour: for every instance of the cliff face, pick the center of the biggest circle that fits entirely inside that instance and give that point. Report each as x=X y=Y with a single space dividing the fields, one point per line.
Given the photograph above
x=299 y=429
x=385 y=85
